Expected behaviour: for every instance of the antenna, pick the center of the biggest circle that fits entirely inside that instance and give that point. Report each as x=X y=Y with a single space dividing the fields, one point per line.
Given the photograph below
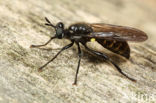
x=49 y=23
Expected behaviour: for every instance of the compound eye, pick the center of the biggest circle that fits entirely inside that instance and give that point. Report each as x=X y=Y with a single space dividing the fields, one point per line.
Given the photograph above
x=60 y=25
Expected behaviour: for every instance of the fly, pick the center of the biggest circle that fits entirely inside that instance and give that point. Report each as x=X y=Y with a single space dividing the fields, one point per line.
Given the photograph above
x=111 y=37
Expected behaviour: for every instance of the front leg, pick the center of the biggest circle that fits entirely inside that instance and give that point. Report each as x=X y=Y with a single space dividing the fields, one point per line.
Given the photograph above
x=36 y=46
x=108 y=59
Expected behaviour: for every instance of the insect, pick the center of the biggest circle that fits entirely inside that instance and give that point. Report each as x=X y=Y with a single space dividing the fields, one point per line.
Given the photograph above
x=111 y=37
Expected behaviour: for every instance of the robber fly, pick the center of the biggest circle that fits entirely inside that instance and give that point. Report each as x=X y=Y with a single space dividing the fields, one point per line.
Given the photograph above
x=112 y=37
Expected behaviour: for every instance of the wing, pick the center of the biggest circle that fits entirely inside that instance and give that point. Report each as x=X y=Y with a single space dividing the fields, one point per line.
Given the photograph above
x=114 y=32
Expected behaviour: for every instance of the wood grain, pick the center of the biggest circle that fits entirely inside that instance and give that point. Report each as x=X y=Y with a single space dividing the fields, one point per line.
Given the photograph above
x=22 y=24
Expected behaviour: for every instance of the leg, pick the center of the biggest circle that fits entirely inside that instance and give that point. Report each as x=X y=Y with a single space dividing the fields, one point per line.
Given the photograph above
x=64 y=48
x=36 y=46
x=77 y=71
x=107 y=58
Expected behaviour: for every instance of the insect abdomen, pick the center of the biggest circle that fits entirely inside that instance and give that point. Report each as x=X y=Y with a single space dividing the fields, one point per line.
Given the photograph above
x=119 y=47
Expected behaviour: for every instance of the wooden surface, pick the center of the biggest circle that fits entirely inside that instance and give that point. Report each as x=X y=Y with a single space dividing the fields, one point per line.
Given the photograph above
x=22 y=24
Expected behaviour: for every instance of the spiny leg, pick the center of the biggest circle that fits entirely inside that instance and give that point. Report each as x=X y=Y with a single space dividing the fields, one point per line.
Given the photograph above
x=77 y=71
x=107 y=58
x=64 y=48
x=36 y=46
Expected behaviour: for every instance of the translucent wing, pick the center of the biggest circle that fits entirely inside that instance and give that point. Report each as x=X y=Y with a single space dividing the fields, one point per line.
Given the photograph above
x=114 y=32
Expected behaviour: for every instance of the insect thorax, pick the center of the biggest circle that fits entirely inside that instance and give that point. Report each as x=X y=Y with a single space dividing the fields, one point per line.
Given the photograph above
x=80 y=28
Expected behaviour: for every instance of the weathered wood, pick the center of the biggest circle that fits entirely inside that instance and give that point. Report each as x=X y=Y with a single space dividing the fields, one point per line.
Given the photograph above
x=22 y=24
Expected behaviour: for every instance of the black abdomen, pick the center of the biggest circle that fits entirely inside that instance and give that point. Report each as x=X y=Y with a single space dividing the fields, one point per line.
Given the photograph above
x=119 y=47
